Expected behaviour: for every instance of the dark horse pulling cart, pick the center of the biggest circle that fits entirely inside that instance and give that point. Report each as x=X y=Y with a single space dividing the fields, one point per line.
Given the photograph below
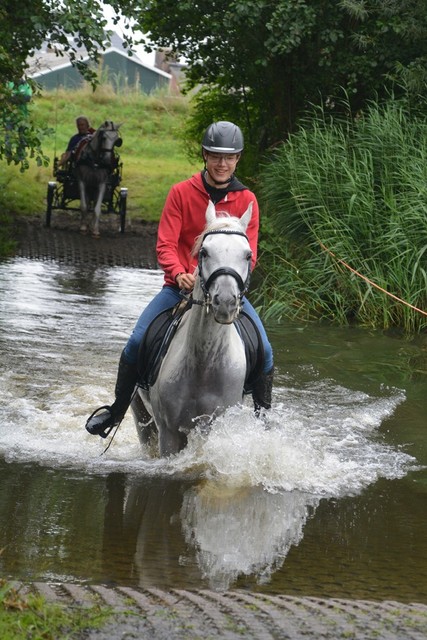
x=67 y=188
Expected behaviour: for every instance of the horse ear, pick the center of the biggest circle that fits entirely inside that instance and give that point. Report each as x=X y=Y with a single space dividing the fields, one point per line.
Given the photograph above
x=210 y=213
x=246 y=217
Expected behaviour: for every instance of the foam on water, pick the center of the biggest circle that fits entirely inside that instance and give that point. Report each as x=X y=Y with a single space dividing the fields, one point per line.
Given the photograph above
x=62 y=333
x=322 y=440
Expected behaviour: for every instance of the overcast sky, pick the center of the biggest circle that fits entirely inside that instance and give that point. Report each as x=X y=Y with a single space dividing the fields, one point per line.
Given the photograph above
x=147 y=58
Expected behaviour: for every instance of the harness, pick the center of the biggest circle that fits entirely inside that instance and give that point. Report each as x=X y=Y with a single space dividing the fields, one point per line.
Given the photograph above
x=86 y=154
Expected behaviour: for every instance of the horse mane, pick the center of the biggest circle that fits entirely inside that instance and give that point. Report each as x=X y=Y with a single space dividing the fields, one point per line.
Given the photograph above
x=223 y=221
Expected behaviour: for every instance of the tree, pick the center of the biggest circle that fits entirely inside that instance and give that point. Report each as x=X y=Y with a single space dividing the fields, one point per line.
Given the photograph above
x=69 y=25
x=259 y=62
x=272 y=59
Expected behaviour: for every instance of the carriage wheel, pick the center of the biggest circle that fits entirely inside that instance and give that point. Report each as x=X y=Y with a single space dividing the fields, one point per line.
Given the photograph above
x=122 y=208
x=51 y=188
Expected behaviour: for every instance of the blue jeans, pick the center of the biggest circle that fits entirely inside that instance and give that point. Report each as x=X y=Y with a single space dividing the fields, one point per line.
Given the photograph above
x=167 y=298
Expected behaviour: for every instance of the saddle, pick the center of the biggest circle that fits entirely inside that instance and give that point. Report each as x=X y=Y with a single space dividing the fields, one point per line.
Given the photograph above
x=160 y=333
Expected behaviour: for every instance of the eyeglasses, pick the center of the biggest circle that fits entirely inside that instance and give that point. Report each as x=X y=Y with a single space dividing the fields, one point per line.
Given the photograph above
x=229 y=158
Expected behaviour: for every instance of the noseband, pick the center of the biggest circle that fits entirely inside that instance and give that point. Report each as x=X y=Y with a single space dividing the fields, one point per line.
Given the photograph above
x=222 y=271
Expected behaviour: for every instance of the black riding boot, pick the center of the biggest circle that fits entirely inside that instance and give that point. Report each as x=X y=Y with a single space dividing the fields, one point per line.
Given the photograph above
x=104 y=419
x=261 y=392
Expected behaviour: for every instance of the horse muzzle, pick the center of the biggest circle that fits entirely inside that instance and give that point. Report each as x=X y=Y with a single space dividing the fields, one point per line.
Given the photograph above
x=225 y=303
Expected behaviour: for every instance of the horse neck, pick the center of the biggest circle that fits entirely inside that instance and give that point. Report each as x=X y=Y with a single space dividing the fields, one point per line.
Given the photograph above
x=90 y=148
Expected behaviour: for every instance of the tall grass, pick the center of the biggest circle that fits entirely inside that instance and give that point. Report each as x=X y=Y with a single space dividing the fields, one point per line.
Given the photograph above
x=353 y=192
x=153 y=153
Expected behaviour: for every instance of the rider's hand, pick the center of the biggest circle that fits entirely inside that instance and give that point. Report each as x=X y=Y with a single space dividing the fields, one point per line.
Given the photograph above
x=185 y=281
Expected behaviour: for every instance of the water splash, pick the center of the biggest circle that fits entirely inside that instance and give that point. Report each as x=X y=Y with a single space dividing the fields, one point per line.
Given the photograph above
x=322 y=440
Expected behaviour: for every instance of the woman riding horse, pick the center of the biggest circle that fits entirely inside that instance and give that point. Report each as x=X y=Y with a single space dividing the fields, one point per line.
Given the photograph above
x=182 y=220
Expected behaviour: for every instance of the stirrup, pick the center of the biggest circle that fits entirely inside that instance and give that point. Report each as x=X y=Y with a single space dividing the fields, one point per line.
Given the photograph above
x=101 y=427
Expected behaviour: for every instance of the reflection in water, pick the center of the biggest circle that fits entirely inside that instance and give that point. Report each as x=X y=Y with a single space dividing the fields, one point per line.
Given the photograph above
x=242 y=532
x=228 y=532
x=238 y=501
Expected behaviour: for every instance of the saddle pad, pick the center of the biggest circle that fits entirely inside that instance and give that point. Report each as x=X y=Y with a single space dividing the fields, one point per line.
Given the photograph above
x=154 y=345
x=161 y=331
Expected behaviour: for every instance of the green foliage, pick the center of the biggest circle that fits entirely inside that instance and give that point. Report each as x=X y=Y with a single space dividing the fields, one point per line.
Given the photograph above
x=279 y=56
x=22 y=139
x=23 y=29
x=350 y=191
x=31 y=617
x=264 y=61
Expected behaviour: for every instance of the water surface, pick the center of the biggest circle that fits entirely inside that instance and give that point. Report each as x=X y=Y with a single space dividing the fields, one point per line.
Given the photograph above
x=327 y=497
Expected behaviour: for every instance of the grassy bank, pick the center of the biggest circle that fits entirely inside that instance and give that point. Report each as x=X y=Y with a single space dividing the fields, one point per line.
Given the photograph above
x=153 y=154
x=344 y=197
x=32 y=617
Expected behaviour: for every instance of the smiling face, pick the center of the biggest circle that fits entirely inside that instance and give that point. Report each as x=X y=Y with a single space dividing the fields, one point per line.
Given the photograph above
x=220 y=167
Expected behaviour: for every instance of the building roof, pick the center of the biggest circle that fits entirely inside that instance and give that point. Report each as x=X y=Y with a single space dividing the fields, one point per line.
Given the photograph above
x=52 y=57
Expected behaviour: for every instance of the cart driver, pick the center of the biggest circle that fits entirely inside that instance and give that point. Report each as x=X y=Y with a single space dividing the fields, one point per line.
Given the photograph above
x=84 y=129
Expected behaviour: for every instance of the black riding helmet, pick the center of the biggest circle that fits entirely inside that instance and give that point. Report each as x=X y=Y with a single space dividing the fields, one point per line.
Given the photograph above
x=224 y=137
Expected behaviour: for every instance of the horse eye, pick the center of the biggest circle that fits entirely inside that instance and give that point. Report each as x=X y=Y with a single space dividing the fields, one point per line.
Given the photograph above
x=203 y=252
x=249 y=256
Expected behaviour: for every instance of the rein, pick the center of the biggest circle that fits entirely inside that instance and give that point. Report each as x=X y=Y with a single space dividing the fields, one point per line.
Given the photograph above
x=221 y=271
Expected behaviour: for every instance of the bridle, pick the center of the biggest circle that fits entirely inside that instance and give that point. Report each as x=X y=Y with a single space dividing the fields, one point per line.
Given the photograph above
x=243 y=285
x=101 y=151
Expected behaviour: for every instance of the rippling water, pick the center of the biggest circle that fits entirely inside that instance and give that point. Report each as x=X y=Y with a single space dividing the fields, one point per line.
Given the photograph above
x=298 y=503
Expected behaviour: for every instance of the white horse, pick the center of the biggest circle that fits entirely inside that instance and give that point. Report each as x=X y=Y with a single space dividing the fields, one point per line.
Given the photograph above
x=94 y=164
x=203 y=371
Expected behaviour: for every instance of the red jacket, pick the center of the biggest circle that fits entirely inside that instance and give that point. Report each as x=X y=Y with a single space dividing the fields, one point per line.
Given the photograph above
x=183 y=219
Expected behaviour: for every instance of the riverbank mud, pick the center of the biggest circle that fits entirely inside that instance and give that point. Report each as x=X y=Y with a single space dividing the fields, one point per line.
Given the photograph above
x=63 y=242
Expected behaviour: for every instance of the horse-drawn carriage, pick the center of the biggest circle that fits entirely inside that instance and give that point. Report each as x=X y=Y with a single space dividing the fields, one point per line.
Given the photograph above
x=92 y=176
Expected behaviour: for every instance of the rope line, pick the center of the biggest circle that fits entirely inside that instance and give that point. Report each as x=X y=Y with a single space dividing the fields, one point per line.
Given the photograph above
x=377 y=286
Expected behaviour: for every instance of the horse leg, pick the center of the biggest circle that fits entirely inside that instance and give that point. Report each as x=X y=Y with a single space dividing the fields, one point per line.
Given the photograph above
x=171 y=442
x=83 y=207
x=97 y=210
x=145 y=424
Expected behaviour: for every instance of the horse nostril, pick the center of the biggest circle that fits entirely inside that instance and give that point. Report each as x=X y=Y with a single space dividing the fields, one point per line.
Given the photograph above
x=229 y=301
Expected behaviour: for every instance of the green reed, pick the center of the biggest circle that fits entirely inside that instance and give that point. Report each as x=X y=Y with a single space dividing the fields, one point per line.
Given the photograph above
x=352 y=190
